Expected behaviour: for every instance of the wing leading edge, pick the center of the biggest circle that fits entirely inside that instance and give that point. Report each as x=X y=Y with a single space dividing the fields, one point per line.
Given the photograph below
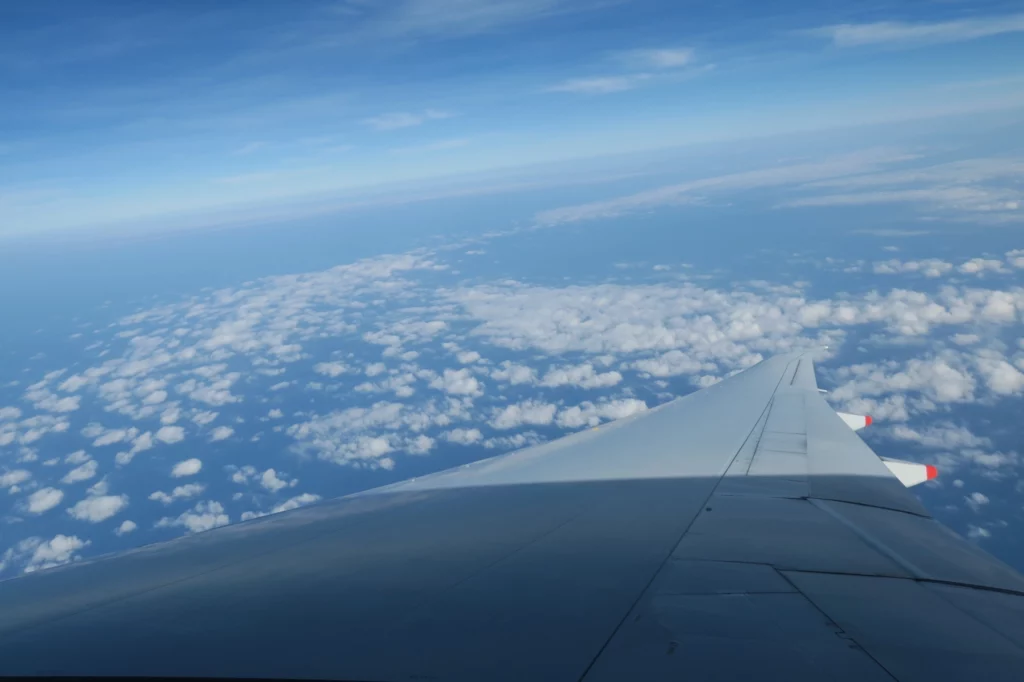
x=741 y=530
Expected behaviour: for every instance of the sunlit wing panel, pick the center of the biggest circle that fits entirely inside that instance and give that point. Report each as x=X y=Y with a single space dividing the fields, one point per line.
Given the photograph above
x=741 y=530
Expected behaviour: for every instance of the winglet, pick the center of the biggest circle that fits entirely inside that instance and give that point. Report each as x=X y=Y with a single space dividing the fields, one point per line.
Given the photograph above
x=910 y=473
x=855 y=421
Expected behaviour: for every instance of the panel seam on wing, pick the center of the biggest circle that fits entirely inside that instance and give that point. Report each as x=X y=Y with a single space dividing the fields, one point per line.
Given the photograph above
x=672 y=548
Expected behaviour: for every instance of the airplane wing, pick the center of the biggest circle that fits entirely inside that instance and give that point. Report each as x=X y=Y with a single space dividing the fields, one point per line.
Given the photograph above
x=743 y=531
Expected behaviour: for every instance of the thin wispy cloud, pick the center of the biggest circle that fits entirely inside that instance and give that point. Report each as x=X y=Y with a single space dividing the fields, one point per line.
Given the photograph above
x=662 y=58
x=249 y=178
x=405 y=119
x=440 y=145
x=460 y=18
x=600 y=85
x=897 y=32
x=693 y=191
x=249 y=147
x=644 y=61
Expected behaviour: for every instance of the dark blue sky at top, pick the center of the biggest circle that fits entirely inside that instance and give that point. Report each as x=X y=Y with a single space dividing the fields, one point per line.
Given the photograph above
x=117 y=111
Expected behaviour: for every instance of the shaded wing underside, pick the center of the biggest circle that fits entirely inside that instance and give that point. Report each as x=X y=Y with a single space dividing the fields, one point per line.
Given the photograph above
x=741 y=530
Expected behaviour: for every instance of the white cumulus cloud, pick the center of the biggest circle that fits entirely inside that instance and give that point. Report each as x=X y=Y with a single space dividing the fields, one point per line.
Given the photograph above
x=170 y=434
x=457 y=382
x=330 y=369
x=43 y=500
x=187 y=467
x=204 y=516
x=583 y=376
x=181 y=492
x=34 y=553
x=221 y=433
x=463 y=436
x=98 y=508
x=591 y=414
x=296 y=502
x=270 y=480
x=14 y=477
x=527 y=412
x=82 y=472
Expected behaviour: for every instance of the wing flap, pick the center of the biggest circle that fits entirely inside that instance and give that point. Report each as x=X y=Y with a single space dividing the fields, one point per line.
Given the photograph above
x=912 y=631
x=926 y=548
x=713 y=636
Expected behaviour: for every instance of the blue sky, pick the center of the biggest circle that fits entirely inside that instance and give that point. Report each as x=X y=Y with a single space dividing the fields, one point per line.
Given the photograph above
x=119 y=111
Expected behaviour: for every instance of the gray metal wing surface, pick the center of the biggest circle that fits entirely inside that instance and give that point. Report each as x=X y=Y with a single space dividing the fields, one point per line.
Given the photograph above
x=741 y=531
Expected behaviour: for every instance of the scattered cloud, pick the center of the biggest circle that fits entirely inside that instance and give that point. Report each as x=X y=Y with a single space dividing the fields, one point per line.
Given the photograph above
x=977 y=532
x=295 y=502
x=941 y=436
x=43 y=500
x=514 y=374
x=81 y=473
x=98 y=508
x=204 y=516
x=34 y=553
x=458 y=382
x=463 y=436
x=141 y=443
x=976 y=501
x=980 y=265
x=125 y=528
x=532 y=412
x=364 y=437
x=170 y=434
x=181 y=492
x=931 y=267
x=188 y=467
x=673 y=363
x=113 y=436
x=9 y=413
x=513 y=340
x=14 y=477
x=77 y=457
x=270 y=480
x=591 y=414
x=221 y=433
x=467 y=357
x=330 y=369
x=204 y=418
x=582 y=376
